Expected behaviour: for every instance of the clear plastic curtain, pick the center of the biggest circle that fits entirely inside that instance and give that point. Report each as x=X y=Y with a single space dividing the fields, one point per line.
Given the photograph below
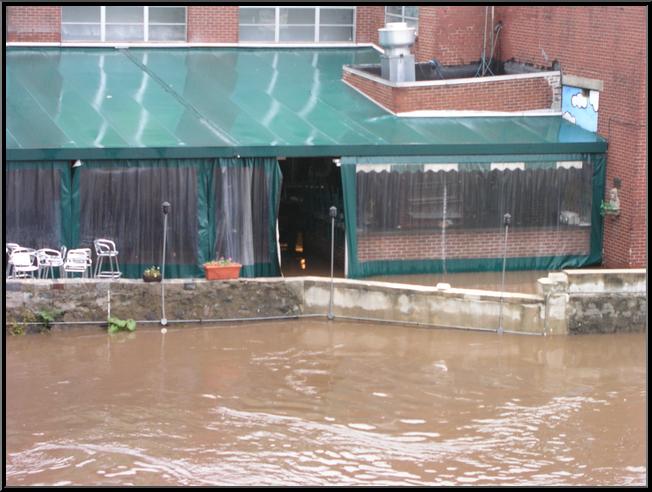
x=37 y=204
x=247 y=193
x=121 y=201
x=422 y=218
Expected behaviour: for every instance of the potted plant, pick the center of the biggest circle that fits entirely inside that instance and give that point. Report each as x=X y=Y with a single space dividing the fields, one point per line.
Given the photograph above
x=152 y=274
x=222 y=269
x=609 y=208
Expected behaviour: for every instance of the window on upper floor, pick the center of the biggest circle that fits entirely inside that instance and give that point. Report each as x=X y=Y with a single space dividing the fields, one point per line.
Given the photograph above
x=403 y=13
x=123 y=23
x=298 y=24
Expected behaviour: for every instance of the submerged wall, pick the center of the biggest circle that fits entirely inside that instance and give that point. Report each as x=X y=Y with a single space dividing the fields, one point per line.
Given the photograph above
x=575 y=301
x=596 y=301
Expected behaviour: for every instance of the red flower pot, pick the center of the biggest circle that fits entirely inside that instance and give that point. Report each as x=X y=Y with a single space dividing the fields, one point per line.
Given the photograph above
x=222 y=272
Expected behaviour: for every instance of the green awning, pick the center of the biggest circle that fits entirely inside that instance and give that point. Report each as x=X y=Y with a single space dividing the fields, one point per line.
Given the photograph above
x=101 y=103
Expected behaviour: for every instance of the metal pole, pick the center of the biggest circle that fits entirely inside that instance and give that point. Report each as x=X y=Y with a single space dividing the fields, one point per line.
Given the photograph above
x=333 y=213
x=507 y=220
x=166 y=209
x=443 y=230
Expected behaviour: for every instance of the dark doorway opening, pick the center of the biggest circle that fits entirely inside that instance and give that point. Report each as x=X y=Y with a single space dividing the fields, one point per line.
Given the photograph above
x=311 y=185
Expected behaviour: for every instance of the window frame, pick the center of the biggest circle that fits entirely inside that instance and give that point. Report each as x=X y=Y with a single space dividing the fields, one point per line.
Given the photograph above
x=402 y=17
x=317 y=24
x=145 y=23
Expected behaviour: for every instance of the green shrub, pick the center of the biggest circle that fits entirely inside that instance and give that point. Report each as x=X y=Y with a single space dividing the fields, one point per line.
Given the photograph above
x=117 y=324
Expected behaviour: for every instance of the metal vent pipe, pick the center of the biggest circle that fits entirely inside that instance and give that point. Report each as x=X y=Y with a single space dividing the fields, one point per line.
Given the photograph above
x=397 y=62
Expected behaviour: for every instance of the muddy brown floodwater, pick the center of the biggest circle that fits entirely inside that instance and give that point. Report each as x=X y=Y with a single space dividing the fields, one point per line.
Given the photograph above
x=317 y=402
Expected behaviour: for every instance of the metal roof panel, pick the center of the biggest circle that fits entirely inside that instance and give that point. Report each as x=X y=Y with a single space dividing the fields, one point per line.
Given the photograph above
x=73 y=103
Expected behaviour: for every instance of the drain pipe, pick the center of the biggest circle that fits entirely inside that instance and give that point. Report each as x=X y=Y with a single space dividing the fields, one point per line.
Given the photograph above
x=166 y=209
x=332 y=212
x=507 y=220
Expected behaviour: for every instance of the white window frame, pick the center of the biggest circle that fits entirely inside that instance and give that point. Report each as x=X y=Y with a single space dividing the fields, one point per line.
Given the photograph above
x=316 y=25
x=145 y=24
x=402 y=17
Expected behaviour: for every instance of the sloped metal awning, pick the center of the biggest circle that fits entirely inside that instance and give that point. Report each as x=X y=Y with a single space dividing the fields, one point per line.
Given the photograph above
x=105 y=103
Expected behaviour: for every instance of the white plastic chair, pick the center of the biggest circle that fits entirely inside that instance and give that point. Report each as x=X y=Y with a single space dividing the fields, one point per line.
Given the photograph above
x=47 y=260
x=23 y=261
x=9 y=248
x=78 y=261
x=105 y=248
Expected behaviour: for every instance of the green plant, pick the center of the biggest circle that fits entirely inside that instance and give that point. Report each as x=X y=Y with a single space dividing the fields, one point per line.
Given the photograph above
x=19 y=321
x=221 y=262
x=117 y=324
x=47 y=316
x=608 y=208
x=17 y=329
x=152 y=272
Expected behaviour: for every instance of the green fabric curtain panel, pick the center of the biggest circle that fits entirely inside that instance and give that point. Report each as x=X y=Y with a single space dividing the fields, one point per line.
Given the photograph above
x=121 y=200
x=445 y=213
x=219 y=208
x=38 y=201
x=244 y=208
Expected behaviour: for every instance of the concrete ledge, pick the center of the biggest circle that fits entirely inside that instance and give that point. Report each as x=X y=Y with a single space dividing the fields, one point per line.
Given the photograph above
x=583 y=82
x=605 y=281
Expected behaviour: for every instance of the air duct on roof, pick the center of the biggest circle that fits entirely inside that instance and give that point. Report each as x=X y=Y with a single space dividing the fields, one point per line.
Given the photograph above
x=397 y=63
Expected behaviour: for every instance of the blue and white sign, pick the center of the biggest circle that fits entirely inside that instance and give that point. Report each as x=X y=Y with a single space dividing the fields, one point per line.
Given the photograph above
x=580 y=106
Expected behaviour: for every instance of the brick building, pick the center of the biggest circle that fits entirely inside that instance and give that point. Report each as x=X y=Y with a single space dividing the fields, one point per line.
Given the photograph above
x=599 y=49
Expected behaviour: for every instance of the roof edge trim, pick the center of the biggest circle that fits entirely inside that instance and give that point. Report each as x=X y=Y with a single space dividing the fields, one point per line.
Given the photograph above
x=303 y=151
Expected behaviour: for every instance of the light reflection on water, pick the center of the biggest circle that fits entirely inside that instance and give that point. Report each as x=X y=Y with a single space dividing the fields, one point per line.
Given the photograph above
x=314 y=403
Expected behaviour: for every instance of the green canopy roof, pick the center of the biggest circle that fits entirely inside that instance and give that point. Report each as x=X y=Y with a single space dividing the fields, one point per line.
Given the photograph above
x=70 y=103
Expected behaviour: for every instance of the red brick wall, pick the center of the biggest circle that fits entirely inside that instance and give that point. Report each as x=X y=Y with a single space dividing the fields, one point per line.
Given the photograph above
x=504 y=95
x=43 y=23
x=33 y=24
x=508 y=95
x=475 y=244
x=452 y=35
x=368 y=19
x=381 y=93
x=212 y=24
x=606 y=43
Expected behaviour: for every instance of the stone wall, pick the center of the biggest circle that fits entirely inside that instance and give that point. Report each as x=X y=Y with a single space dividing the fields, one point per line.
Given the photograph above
x=79 y=300
x=595 y=301
x=600 y=303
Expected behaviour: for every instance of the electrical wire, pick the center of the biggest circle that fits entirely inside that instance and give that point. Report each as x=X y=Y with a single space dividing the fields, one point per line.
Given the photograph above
x=484 y=44
x=498 y=28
